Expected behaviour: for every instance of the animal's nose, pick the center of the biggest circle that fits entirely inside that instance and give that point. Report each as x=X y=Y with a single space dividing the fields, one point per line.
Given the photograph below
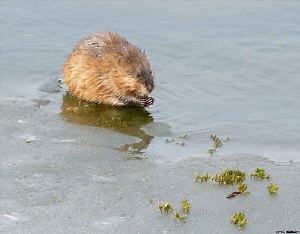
x=150 y=87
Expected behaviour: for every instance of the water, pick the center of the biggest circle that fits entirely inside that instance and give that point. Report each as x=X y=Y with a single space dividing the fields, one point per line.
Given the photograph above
x=227 y=68
x=222 y=67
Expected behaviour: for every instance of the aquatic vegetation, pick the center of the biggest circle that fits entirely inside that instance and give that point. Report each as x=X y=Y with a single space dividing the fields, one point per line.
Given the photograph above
x=178 y=217
x=259 y=173
x=226 y=177
x=239 y=219
x=211 y=151
x=217 y=143
x=185 y=206
x=229 y=177
x=242 y=187
x=164 y=206
x=273 y=188
x=202 y=178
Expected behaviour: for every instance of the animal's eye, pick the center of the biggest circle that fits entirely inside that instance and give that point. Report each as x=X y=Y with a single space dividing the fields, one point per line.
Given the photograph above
x=139 y=75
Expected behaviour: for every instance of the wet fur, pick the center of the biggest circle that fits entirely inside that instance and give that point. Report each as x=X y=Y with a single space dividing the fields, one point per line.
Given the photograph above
x=105 y=68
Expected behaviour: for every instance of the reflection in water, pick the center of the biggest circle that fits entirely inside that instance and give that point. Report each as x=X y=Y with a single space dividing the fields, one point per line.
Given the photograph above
x=122 y=119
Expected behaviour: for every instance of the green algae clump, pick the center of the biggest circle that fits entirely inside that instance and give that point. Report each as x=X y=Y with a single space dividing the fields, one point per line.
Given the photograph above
x=260 y=173
x=178 y=217
x=273 y=188
x=242 y=187
x=164 y=206
x=229 y=177
x=202 y=178
x=217 y=143
x=185 y=206
x=239 y=219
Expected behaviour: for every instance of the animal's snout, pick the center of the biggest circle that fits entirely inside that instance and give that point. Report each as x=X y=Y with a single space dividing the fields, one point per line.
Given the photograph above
x=149 y=84
x=150 y=87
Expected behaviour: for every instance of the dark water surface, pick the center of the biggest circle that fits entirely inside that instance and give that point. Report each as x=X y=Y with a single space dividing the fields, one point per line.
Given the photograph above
x=229 y=68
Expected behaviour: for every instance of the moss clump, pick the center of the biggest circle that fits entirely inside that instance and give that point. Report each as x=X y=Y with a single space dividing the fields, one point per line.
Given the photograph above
x=178 y=217
x=217 y=143
x=164 y=206
x=229 y=177
x=216 y=140
x=202 y=178
x=185 y=206
x=211 y=151
x=273 y=188
x=259 y=173
x=242 y=187
x=239 y=219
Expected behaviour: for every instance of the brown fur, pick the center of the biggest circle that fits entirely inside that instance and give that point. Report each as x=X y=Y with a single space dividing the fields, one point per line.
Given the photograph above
x=105 y=68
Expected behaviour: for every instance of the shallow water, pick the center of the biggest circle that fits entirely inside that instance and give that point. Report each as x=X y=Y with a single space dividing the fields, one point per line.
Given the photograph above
x=225 y=68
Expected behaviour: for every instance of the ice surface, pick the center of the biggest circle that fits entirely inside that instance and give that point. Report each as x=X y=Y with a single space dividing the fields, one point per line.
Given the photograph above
x=73 y=179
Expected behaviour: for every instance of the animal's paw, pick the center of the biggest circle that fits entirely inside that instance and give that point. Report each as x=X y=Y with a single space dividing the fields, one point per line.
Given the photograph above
x=148 y=101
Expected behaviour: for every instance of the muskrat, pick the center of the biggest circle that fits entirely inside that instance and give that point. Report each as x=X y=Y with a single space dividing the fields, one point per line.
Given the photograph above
x=105 y=68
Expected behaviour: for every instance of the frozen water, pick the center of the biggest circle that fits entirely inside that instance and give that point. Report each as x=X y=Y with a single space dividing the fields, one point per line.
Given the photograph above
x=59 y=185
